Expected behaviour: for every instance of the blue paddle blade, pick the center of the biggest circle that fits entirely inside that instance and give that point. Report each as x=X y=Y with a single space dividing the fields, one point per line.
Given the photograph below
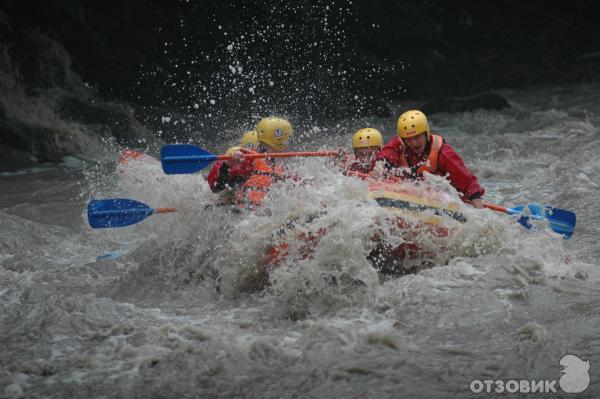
x=116 y=213
x=560 y=221
x=179 y=159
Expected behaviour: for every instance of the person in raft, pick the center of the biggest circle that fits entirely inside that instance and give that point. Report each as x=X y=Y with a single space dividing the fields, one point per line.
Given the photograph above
x=417 y=150
x=249 y=140
x=247 y=181
x=366 y=143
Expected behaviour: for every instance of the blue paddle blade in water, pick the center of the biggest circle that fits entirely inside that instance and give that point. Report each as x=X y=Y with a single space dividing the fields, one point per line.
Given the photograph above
x=113 y=255
x=116 y=213
x=560 y=221
x=184 y=159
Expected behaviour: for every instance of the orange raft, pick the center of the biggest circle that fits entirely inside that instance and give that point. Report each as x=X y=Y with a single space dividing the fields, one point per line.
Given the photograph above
x=420 y=220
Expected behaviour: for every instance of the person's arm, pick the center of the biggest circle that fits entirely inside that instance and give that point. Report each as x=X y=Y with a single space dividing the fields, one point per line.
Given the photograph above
x=390 y=153
x=460 y=176
x=388 y=158
x=218 y=176
x=224 y=173
x=341 y=158
x=477 y=203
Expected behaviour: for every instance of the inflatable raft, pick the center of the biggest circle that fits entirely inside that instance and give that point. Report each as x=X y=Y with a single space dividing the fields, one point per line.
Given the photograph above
x=413 y=216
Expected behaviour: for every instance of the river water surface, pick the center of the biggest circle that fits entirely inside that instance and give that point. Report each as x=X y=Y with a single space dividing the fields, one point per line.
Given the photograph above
x=171 y=312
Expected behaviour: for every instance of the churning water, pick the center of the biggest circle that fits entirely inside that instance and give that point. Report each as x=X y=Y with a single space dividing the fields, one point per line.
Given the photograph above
x=173 y=309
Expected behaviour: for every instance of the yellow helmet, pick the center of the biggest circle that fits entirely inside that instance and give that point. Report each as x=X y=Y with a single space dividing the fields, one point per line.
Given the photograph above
x=412 y=123
x=249 y=140
x=274 y=131
x=367 y=137
x=233 y=149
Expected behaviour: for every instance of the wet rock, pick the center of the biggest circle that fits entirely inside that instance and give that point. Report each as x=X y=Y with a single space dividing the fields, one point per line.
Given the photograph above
x=487 y=100
x=39 y=143
x=4 y=23
x=117 y=118
x=2 y=110
x=12 y=159
x=80 y=126
x=43 y=63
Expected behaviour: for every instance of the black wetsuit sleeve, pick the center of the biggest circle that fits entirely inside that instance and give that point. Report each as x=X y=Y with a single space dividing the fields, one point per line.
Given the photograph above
x=474 y=196
x=222 y=178
x=387 y=164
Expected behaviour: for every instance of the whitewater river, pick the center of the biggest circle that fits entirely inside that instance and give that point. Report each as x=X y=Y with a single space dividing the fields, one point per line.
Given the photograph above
x=172 y=311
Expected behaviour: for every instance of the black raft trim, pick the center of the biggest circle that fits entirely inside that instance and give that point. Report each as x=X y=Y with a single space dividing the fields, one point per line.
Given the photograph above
x=396 y=203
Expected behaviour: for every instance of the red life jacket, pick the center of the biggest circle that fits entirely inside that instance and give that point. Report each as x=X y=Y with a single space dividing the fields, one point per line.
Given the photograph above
x=256 y=187
x=431 y=165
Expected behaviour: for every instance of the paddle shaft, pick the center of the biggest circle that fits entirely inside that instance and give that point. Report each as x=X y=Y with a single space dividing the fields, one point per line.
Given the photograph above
x=495 y=207
x=283 y=155
x=210 y=158
x=165 y=210
x=126 y=212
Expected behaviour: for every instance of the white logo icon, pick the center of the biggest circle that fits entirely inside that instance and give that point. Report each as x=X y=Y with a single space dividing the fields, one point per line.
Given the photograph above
x=575 y=378
x=278 y=133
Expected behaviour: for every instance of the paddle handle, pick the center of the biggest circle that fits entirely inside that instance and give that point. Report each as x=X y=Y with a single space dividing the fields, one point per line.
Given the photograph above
x=496 y=207
x=165 y=210
x=282 y=155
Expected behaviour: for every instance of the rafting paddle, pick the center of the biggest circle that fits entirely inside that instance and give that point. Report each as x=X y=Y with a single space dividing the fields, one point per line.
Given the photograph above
x=561 y=221
x=119 y=212
x=187 y=158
